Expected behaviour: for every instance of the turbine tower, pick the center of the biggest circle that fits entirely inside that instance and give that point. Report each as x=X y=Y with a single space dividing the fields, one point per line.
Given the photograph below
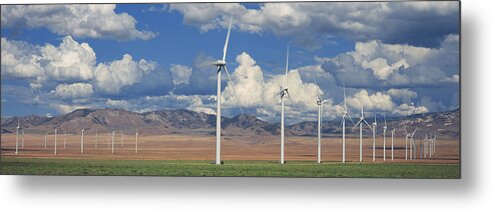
x=374 y=125
x=385 y=127
x=320 y=103
x=345 y=114
x=283 y=91
x=136 y=142
x=56 y=133
x=392 y=144
x=221 y=64
x=17 y=138
x=82 y=142
x=361 y=121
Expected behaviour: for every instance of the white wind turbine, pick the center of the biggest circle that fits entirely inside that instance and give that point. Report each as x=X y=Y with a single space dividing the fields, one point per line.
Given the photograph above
x=136 y=142
x=112 y=143
x=407 y=136
x=82 y=142
x=221 y=64
x=17 y=138
x=283 y=92
x=374 y=126
x=361 y=121
x=392 y=144
x=320 y=103
x=345 y=114
x=56 y=133
x=385 y=127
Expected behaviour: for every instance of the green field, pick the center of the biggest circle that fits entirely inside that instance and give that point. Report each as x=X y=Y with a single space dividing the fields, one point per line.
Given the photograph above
x=45 y=166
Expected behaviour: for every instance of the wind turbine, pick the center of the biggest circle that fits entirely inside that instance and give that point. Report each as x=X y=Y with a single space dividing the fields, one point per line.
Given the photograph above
x=136 y=142
x=56 y=132
x=320 y=103
x=385 y=127
x=82 y=142
x=361 y=121
x=392 y=143
x=344 y=115
x=221 y=64
x=374 y=125
x=112 y=144
x=17 y=138
x=283 y=91
x=407 y=136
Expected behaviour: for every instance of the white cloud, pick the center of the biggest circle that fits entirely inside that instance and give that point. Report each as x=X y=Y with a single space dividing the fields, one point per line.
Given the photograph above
x=75 y=90
x=374 y=64
x=405 y=109
x=406 y=95
x=78 y=20
x=375 y=102
x=69 y=61
x=309 y=24
x=111 y=77
x=63 y=108
x=20 y=59
x=181 y=74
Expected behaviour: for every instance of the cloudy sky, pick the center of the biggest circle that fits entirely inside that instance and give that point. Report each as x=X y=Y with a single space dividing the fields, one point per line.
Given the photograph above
x=397 y=58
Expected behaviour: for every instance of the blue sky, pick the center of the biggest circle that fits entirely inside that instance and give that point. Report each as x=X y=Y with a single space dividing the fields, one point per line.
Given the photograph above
x=395 y=58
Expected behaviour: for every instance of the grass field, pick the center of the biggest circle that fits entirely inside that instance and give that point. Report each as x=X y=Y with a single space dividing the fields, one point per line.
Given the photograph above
x=48 y=166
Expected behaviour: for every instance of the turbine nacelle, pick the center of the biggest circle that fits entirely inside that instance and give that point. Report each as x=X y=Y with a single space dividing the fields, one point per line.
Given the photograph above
x=219 y=63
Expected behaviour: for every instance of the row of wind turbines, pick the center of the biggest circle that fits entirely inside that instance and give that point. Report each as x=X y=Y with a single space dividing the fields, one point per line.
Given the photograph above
x=111 y=140
x=284 y=92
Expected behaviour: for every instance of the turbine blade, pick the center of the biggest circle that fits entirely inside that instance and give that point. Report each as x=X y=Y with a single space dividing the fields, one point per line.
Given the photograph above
x=414 y=132
x=348 y=115
x=317 y=89
x=344 y=97
x=229 y=80
x=227 y=41
x=286 y=67
x=367 y=124
x=385 y=120
x=357 y=124
x=288 y=94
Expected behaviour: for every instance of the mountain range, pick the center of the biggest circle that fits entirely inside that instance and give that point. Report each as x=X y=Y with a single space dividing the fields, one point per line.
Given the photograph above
x=446 y=124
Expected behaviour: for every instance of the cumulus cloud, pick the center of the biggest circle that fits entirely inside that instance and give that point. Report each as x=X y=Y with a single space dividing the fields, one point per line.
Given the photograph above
x=70 y=61
x=20 y=59
x=181 y=74
x=310 y=24
x=375 y=102
x=374 y=64
x=382 y=102
x=405 y=95
x=78 y=20
x=405 y=109
x=75 y=90
x=111 y=77
x=48 y=67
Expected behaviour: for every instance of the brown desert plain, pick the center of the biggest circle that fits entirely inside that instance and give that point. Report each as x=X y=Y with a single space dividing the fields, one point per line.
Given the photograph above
x=187 y=147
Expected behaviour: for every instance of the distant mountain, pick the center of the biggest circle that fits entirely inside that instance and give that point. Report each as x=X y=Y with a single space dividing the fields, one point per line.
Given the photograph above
x=189 y=122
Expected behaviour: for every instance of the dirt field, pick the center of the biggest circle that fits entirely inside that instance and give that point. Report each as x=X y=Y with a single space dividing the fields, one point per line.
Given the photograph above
x=180 y=147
